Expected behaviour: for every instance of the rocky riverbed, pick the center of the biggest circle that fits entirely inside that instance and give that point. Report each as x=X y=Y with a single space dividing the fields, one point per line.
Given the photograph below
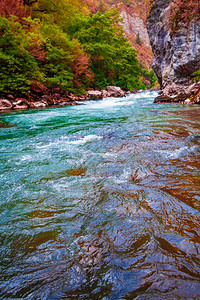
x=57 y=99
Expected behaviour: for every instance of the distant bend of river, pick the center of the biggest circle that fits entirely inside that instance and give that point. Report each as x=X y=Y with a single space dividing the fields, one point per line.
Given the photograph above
x=101 y=201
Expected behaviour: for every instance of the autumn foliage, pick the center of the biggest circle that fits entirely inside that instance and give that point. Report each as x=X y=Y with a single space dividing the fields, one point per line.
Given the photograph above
x=59 y=44
x=183 y=11
x=13 y=7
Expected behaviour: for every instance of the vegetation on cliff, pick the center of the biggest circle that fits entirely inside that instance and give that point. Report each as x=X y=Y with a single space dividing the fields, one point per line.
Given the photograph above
x=183 y=11
x=60 y=44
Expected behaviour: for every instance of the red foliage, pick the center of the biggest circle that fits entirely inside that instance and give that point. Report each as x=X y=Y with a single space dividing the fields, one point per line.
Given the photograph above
x=80 y=66
x=182 y=11
x=38 y=87
x=13 y=7
x=37 y=51
x=185 y=10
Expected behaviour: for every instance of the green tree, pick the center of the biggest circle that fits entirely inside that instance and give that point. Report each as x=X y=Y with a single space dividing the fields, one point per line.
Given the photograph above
x=18 y=68
x=113 y=58
x=138 y=40
x=150 y=76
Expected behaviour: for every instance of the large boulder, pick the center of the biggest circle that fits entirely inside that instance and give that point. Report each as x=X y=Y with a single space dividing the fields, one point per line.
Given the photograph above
x=105 y=94
x=21 y=103
x=39 y=104
x=115 y=91
x=94 y=95
x=5 y=104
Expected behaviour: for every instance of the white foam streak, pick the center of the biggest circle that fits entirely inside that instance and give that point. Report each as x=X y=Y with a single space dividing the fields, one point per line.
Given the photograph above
x=65 y=142
x=177 y=152
x=85 y=139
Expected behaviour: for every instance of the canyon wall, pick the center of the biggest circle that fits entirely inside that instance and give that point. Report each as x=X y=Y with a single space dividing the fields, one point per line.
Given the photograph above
x=174 y=32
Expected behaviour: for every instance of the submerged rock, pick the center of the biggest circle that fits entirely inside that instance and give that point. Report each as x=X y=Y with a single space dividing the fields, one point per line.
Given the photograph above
x=6 y=125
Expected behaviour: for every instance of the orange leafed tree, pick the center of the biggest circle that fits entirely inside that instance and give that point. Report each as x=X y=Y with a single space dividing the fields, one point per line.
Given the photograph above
x=80 y=65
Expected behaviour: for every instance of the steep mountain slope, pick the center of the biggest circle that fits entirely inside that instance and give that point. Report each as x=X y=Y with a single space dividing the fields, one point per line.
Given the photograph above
x=133 y=14
x=174 y=31
x=134 y=25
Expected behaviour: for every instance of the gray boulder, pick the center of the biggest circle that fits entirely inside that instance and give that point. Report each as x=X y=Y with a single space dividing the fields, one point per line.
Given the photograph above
x=39 y=104
x=5 y=104
x=115 y=91
x=21 y=104
x=105 y=94
x=94 y=95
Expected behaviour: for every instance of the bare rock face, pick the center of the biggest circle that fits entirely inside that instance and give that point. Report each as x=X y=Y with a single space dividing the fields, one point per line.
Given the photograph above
x=133 y=24
x=176 y=51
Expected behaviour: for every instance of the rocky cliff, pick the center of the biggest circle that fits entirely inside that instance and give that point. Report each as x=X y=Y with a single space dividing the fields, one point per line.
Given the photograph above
x=174 y=31
x=134 y=26
x=133 y=14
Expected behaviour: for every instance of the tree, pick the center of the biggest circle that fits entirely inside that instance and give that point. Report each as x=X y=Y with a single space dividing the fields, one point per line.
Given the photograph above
x=138 y=40
x=29 y=2
x=18 y=68
x=113 y=59
x=13 y=7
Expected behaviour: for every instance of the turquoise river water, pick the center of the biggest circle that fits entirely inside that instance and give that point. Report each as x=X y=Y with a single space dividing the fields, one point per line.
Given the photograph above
x=101 y=201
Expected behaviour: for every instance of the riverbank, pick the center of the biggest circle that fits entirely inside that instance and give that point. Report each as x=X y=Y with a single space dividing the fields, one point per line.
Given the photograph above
x=57 y=98
x=171 y=94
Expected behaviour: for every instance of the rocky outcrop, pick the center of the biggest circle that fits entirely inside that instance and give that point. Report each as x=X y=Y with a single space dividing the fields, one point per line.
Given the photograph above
x=20 y=104
x=111 y=91
x=176 y=51
x=133 y=24
x=180 y=93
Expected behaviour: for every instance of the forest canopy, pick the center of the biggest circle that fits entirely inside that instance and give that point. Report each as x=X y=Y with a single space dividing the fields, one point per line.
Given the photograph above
x=61 y=44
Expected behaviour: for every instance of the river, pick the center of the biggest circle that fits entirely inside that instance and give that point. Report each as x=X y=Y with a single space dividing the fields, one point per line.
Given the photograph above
x=101 y=201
